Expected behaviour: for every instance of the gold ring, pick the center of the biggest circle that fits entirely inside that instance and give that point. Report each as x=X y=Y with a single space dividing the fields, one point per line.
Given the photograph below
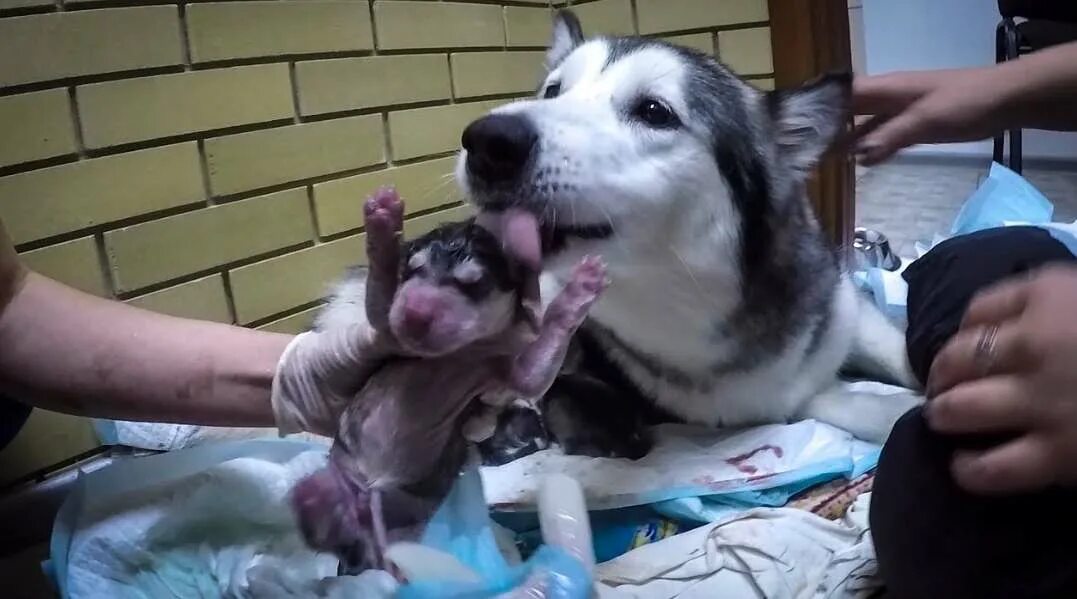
x=986 y=350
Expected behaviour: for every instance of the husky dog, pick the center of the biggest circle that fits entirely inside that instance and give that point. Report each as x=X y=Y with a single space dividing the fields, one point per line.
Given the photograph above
x=726 y=308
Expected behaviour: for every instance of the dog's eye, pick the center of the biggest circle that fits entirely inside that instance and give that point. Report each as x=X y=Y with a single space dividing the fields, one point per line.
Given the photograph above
x=655 y=113
x=552 y=91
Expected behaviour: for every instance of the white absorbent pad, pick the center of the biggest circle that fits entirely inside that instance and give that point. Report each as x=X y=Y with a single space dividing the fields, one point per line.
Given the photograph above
x=765 y=553
x=690 y=462
x=212 y=521
x=163 y=436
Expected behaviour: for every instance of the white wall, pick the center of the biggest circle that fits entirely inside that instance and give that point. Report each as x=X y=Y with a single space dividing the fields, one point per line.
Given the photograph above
x=936 y=34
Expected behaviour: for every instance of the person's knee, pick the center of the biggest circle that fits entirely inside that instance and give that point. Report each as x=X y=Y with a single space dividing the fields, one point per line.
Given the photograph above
x=944 y=281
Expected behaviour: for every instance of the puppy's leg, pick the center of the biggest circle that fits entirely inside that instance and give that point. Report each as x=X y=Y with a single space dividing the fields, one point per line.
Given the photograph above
x=534 y=369
x=866 y=416
x=384 y=218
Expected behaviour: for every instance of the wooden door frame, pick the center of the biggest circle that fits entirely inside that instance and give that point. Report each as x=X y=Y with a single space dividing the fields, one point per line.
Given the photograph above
x=809 y=38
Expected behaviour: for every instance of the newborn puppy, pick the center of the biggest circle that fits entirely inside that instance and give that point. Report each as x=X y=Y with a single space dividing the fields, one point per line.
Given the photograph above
x=450 y=306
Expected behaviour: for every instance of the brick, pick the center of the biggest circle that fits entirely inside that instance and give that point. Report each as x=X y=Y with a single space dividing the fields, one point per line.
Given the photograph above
x=70 y=197
x=403 y=25
x=203 y=299
x=746 y=51
x=75 y=263
x=425 y=131
x=279 y=284
x=608 y=17
x=160 y=250
x=352 y=83
x=704 y=42
x=425 y=185
x=12 y=4
x=530 y=27
x=417 y=226
x=36 y=126
x=88 y=42
x=224 y=30
x=660 y=16
x=492 y=73
x=263 y=158
x=133 y=110
x=294 y=324
x=46 y=439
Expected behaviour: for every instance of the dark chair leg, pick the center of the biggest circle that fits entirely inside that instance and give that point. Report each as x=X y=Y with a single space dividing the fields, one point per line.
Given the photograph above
x=999 y=154
x=1015 y=151
x=1012 y=50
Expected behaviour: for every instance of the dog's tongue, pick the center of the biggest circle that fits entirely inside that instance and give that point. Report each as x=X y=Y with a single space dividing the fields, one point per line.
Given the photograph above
x=518 y=231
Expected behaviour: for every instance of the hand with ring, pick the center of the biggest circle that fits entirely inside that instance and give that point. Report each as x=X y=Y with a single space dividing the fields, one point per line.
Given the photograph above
x=1012 y=369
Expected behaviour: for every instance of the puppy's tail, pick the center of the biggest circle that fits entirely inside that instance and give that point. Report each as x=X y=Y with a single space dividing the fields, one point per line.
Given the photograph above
x=879 y=348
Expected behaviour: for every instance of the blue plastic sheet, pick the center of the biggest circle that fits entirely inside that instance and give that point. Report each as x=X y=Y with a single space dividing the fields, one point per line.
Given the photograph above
x=1004 y=198
x=462 y=528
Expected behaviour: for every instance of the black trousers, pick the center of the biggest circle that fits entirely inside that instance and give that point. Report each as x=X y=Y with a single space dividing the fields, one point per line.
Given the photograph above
x=932 y=538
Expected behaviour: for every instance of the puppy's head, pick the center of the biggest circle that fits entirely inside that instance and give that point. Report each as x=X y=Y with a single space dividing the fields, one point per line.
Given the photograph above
x=625 y=132
x=457 y=287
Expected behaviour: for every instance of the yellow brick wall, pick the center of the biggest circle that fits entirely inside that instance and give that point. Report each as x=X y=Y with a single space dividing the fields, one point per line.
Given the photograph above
x=208 y=159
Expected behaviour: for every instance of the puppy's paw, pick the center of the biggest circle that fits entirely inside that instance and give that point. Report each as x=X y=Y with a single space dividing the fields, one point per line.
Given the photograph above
x=384 y=212
x=586 y=284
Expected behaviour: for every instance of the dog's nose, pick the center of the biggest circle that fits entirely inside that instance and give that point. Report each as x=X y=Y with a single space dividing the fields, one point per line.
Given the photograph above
x=499 y=146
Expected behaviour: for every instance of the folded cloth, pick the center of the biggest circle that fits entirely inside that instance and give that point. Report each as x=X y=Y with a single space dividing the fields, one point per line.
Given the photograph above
x=833 y=500
x=764 y=552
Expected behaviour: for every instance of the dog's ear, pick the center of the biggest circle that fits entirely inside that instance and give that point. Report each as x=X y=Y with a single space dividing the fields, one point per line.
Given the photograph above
x=567 y=35
x=809 y=118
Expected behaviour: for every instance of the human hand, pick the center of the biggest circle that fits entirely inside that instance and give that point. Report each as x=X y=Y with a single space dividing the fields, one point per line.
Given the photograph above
x=320 y=372
x=1012 y=368
x=927 y=107
x=12 y=272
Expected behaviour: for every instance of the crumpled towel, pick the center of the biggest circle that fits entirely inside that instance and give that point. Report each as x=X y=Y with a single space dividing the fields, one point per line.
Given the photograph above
x=762 y=553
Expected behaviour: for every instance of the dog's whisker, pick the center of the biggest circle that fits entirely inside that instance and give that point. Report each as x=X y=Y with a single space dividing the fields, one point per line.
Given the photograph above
x=618 y=242
x=692 y=275
x=446 y=180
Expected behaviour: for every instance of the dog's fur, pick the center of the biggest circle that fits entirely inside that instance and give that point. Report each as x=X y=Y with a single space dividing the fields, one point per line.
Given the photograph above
x=727 y=307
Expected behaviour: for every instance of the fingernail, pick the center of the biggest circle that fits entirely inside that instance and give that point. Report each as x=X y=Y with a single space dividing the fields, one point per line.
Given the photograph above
x=929 y=410
x=932 y=389
x=965 y=464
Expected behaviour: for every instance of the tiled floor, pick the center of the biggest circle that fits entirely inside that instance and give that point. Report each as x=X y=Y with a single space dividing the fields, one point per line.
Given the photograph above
x=911 y=201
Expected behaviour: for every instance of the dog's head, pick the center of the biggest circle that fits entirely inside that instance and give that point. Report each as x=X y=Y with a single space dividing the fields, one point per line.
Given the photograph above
x=626 y=130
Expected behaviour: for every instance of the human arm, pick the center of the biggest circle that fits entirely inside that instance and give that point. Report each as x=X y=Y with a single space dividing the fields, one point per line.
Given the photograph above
x=67 y=351
x=64 y=350
x=1037 y=91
